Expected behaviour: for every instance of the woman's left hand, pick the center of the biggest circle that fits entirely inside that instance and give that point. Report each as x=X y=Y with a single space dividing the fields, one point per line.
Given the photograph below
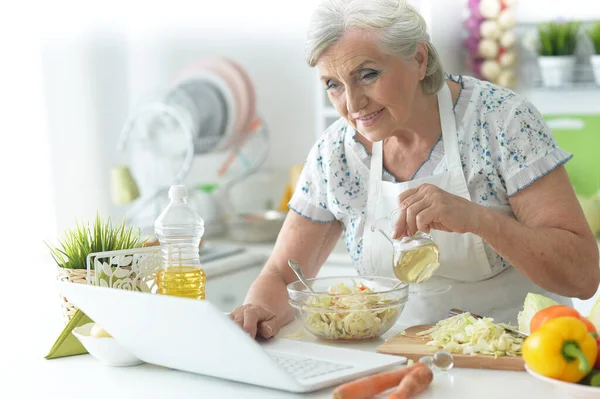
x=428 y=207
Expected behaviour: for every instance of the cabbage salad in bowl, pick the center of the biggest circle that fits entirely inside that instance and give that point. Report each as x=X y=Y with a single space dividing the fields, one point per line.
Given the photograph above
x=349 y=308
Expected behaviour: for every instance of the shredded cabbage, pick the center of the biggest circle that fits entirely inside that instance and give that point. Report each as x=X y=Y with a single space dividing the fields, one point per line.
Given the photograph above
x=468 y=335
x=350 y=315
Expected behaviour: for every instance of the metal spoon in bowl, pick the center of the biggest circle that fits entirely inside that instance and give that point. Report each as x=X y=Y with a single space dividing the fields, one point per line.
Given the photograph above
x=296 y=268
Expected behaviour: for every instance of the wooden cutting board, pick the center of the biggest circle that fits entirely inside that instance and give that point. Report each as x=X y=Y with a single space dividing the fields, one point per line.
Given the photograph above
x=413 y=347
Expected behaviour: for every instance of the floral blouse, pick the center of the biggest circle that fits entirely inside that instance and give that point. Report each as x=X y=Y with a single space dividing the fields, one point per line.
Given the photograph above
x=504 y=143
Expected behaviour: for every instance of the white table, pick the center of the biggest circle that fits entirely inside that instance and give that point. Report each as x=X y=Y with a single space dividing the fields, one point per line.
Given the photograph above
x=26 y=374
x=29 y=326
x=83 y=377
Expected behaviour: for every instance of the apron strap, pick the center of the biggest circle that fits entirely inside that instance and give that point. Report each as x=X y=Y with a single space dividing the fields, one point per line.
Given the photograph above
x=452 y=157
x=452 y=153
x=375 y=176
x=448 y=122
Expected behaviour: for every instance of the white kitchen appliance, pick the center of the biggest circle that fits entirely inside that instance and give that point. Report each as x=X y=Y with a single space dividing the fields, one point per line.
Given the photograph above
x=193 y=336
x=208 y=110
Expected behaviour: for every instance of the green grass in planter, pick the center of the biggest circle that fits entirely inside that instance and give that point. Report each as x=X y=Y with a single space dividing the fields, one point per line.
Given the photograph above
x=558 y=38
x=103 y=235
x=594 y=35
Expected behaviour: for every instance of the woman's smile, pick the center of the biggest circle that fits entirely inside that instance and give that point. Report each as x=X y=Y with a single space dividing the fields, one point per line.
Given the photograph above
x=370 y=119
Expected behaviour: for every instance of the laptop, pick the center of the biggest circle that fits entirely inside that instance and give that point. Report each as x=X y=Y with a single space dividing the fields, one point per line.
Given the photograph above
x=194 y=336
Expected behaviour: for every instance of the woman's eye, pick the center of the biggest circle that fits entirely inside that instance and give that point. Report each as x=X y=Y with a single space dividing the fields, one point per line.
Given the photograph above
x=369 y=75
x=331 y=85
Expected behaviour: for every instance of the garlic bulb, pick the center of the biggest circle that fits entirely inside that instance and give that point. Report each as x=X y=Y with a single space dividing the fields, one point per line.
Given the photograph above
x=488 y=48
x=506 y=78
x=508 y=39
x=506 y=19
x=507 y=59
x=489 y=30
x=489 y=8
x=490 y=70
x=99 y=332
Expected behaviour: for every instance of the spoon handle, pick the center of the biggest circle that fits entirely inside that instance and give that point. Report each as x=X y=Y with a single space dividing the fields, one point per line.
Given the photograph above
x=296 y=268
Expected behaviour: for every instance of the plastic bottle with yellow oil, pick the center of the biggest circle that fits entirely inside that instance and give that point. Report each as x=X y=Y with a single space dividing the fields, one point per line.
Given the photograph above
x=179 y=230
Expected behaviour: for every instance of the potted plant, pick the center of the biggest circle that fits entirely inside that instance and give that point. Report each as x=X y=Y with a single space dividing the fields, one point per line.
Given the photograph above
x=594 y=35
x=556 y=48
x=71 y=251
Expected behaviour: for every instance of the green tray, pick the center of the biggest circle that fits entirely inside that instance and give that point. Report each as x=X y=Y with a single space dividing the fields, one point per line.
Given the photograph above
x=579 y=135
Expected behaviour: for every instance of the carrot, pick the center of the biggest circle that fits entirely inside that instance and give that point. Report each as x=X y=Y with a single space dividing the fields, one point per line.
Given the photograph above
x=413 y=383
x=371 y=385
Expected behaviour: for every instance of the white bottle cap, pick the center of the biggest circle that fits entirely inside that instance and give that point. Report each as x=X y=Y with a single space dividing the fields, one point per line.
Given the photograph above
x=178 y=192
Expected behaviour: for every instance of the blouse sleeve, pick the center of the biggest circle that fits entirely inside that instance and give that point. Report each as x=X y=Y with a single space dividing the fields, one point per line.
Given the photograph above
x=310 y=196
x=528 y=149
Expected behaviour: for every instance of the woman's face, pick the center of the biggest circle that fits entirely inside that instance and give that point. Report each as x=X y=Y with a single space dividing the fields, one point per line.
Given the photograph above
x=373 y=90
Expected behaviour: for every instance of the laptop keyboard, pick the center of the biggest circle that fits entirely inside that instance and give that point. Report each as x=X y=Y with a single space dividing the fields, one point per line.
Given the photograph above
x=305 y=367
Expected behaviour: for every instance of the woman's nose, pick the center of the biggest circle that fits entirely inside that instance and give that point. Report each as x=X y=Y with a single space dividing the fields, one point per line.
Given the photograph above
x=355 y=101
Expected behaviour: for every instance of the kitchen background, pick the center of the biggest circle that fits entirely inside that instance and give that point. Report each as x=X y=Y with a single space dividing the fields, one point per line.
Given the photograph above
x=73 y=71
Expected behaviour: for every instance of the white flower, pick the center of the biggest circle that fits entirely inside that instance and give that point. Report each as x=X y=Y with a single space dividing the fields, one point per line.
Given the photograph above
x=124 y=284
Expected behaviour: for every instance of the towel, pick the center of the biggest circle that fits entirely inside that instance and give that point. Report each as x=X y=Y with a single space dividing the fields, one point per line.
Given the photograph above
x=67 y=344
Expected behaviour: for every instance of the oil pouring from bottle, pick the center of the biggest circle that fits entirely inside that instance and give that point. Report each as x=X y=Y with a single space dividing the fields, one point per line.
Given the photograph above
x=179 y=230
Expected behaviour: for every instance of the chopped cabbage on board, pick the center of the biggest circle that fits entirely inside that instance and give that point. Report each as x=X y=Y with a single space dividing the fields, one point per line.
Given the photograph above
x=468 y=335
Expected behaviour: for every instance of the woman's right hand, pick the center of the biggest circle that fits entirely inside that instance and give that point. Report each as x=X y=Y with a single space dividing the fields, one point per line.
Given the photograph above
x=267 y=310
x=256 y=320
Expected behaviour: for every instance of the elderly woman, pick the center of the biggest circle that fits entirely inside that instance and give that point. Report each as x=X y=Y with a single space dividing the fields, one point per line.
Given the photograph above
x=472 y=163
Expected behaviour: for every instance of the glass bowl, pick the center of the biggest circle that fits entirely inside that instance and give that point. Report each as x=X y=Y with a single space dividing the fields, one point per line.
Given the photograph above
x=352 y=314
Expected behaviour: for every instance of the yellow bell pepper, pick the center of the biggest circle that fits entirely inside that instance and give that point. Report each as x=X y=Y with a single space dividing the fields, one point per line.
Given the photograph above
x=561 y=349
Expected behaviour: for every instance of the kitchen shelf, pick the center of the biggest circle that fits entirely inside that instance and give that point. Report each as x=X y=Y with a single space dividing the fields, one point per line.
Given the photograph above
x=583 y=79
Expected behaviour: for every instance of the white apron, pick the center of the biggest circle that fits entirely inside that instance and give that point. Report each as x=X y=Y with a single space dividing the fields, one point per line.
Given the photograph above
x=464 y=265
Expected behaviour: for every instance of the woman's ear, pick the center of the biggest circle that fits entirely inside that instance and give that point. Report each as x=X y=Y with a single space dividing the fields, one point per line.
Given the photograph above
x=422 y=57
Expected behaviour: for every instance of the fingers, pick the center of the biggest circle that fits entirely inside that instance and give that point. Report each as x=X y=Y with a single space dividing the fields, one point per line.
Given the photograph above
x=410 y=203
x=414 y=218
x=237 y=316
x=406 y=194
x=400 y=227
x=250 y=317
x=429 y=208
x=425 y=220
x=269 y=328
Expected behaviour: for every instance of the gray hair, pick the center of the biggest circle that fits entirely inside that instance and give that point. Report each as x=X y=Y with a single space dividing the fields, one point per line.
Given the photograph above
x=398 y=25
